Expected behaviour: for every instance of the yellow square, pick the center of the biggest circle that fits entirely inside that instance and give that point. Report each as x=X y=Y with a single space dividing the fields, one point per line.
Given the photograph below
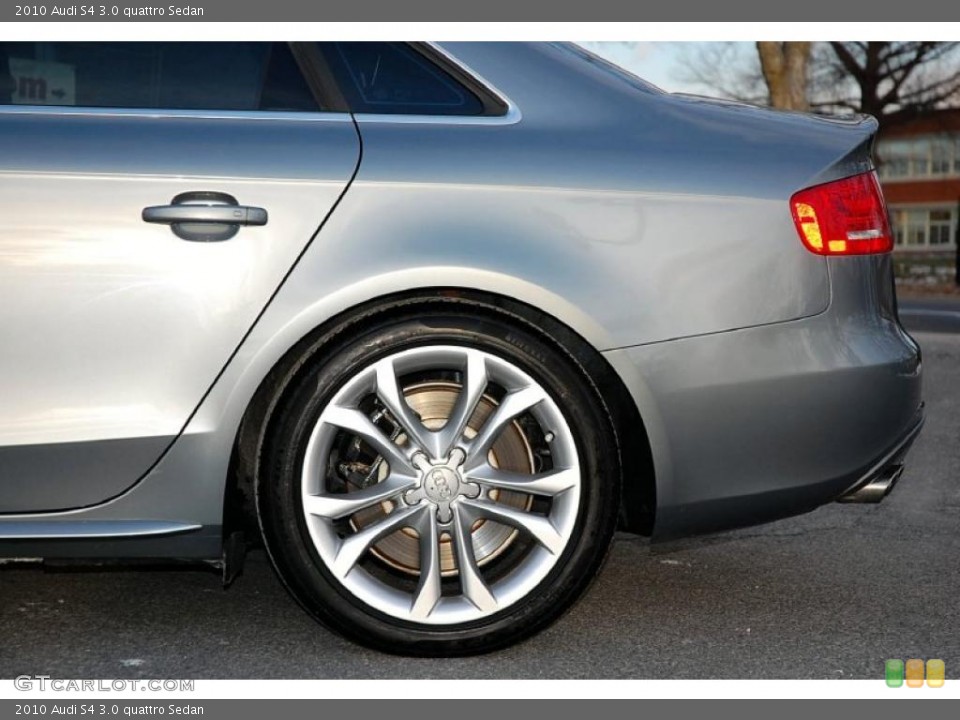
x=936 y=672
x=914 y=673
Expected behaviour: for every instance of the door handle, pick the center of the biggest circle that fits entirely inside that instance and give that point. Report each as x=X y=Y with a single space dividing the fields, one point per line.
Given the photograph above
x=205 y=216
x=221 y=214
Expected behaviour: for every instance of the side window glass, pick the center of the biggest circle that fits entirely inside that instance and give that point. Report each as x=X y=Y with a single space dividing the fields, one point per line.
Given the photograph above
x=393 y=78
x=154 y=75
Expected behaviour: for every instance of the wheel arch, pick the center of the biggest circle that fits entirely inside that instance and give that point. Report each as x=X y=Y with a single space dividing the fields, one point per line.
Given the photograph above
x=637 y=467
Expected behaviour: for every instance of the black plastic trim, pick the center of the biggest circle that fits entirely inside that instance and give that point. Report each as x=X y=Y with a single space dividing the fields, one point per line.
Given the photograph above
x=319 y=77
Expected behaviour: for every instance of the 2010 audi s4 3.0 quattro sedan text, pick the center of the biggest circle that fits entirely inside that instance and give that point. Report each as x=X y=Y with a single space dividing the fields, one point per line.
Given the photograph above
x=430 y=322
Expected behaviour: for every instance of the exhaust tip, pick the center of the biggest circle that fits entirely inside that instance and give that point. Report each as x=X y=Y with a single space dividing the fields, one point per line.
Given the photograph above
x=875 y=490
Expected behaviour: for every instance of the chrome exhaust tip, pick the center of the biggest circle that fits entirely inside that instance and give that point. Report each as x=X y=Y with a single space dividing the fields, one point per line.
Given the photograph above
x=875 y=490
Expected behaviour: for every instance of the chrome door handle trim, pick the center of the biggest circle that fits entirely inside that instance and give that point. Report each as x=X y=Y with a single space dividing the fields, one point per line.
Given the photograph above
x=204 y=216
x=220 y=214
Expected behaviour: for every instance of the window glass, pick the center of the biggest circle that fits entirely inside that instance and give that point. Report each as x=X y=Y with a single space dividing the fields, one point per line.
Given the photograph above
x=895 y=167
x=940 y=227
x=393 y=78
x=941 y=157
x=155 y=75
x=923 y=227
x=916 y=233
x=920 y=157
x=912 y=226
x=894 y=159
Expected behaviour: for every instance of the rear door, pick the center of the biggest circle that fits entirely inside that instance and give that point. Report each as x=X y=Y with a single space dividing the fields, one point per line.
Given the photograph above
x=154 y=196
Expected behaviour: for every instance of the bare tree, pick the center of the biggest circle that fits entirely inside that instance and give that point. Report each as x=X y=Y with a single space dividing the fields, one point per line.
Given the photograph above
x=892 y=80
x=784 y=66
x=724 y=69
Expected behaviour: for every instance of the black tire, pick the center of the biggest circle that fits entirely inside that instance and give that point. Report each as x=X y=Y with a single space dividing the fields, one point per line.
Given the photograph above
x=343 y=354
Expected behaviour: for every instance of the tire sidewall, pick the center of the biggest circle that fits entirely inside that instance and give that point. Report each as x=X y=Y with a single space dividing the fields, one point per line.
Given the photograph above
x=279 y=503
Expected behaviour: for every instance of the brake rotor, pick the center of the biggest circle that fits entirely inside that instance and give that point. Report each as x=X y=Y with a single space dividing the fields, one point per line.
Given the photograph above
x=433 y=402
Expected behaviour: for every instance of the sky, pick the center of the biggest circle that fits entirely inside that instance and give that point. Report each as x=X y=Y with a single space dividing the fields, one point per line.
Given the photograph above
x=656 y=62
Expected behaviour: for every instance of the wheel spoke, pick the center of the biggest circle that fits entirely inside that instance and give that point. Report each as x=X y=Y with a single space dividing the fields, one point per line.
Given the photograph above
x=474 y=383
x=388 y=390
x=336 y=506
x=536 y=526
x=354 y=546
x=550 y=483
x=428 y=591
x=513 y=404
x=428 y=488
x=471 y=582
x=353 y=420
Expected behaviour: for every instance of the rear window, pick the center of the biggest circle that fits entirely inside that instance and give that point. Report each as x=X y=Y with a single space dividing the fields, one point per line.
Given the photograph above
x=394 y=78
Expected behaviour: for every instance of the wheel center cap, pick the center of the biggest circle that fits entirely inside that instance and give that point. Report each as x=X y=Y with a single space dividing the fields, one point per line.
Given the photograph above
x=441 y=484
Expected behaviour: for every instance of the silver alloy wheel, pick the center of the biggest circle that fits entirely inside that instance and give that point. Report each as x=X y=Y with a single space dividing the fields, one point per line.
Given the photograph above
x=442 y=485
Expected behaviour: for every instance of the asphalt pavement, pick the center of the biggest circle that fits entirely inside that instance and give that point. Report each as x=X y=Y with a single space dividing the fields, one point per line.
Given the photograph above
x=831 y=594
x=931 y=314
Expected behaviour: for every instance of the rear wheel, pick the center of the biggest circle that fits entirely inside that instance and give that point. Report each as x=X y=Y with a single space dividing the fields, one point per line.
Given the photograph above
x=439 y=484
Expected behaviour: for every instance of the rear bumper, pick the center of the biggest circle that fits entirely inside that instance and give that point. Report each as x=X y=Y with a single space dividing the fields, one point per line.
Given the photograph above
x=762 y=423
x=879 y=480
x=724 y=513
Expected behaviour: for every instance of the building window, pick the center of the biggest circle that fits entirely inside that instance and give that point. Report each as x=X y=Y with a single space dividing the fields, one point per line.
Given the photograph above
x=923 y=228
x=941 y=227
x=941 y=157
x=920 y=152
x=894 y=159
x=933 y=156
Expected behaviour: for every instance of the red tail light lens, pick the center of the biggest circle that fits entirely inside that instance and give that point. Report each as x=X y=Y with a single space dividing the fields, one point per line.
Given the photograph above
x=844 y=217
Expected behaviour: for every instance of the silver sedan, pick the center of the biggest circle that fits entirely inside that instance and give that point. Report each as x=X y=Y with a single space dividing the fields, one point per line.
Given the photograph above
x=429 y=322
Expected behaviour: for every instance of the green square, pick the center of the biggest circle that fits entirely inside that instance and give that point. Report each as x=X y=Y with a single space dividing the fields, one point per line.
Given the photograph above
x=894 y=673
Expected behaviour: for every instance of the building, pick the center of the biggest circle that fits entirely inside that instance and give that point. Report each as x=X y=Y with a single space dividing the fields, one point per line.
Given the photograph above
x=919 y=168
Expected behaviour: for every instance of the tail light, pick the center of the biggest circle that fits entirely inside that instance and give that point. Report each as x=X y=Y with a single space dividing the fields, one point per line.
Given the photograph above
x=844 y=217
